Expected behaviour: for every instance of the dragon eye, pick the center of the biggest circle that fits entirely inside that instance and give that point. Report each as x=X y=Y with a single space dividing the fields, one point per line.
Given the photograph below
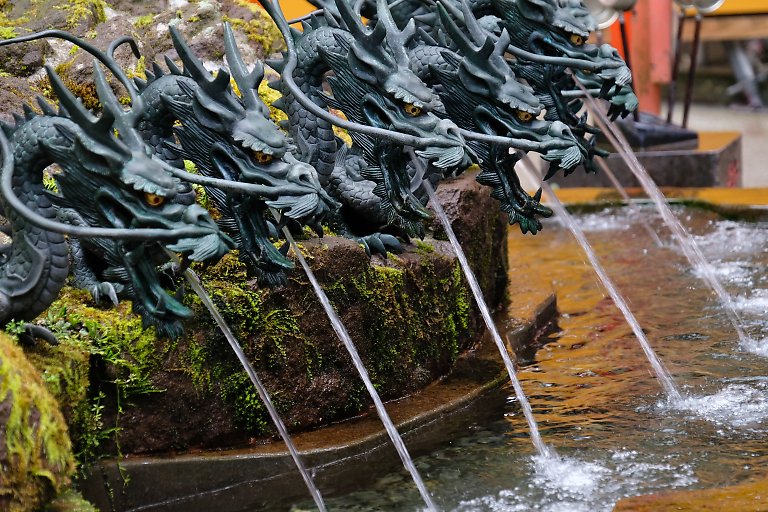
x=577 y=39
x=523 y=117
x=153 y=200
x=411 y=109
x=261 y=157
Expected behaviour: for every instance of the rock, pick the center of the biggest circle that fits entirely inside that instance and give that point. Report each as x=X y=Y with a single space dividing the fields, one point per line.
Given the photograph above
x=35 y=450
x=410 y=316
x=24 y=59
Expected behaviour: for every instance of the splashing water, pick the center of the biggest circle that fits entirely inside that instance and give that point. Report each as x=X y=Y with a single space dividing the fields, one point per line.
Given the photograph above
x=341 y=331
x=662 y=374
x=197 y=286
x=736 y=405
x=543 y=449
x=687 y=244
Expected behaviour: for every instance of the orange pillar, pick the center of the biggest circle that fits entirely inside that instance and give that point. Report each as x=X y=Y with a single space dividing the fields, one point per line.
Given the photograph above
x=651 y=51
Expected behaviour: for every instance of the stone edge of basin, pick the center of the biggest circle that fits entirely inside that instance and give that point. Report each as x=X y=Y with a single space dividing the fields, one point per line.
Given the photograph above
x=341 y=456
x=744 y=203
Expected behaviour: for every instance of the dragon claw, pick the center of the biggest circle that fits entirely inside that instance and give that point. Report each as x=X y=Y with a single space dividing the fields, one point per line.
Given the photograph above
x=380 y=243
x=106 y=289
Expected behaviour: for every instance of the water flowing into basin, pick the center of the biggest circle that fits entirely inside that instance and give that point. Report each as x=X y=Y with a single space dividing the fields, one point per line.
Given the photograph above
x=197 y=287
x=341 y=331
x=627 y=200
x=687 y=244
x=661 y=372
x=543 y=450
x=588 y=384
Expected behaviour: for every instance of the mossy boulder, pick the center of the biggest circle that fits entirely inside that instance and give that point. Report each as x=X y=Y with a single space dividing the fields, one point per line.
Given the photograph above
x=99 y=23
x=35 y=449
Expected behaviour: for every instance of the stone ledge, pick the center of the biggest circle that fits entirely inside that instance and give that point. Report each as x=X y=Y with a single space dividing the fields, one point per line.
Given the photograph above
x=341 y=456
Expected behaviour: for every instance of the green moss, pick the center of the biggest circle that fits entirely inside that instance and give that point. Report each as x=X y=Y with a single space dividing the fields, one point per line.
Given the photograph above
x=265 y=331
x=113 y=339
x=423 y=247
x=85 y=91
x=261 y=29
x=70 y=501
x=8 y=32
x=34 y=444
x=144 y=21
x=80 y=10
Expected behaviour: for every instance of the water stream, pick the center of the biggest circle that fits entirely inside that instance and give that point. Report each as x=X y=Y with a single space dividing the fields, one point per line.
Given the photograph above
x=543 y=450
x=197 y=287
x=661 y=372
x=589 y=385
x=344 y=336
x=688 y=246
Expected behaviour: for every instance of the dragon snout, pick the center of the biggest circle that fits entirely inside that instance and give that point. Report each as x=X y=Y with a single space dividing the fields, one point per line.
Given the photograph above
x=304 y=174
x=560 y=130
x=198 y=216
x=449 y=130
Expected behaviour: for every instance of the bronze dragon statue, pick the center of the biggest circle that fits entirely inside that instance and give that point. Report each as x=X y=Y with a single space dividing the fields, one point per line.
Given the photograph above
x=112 y=192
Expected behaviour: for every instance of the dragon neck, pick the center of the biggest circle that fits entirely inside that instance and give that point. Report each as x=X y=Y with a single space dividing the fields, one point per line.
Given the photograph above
x=309 y=73
x=156 y=125
x=38 y=261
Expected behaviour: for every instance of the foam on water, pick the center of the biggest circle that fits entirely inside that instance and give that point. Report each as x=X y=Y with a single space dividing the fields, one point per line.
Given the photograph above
x=736 y=405
x=730 y=237
x=732 y=272
x=569 y=484
x=756 y=346
x=755 y=304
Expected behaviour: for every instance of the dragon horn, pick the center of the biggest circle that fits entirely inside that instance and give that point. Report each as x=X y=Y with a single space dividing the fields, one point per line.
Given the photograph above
x=248 y=83
x=502 y=43
x=74 y=107
x=192 y=65
x=122 y=120
x=464 y=44
x=473 y=26
x=397 y=39
x=352 y=22
x=216 y=88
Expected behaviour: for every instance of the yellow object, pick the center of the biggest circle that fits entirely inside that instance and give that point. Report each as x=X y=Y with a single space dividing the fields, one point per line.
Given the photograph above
x=735 y=7
x=294 y=8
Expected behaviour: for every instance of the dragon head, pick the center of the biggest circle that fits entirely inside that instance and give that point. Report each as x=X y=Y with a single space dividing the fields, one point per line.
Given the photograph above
x=485 y=92
x=377 y=58
x=110 y=178
x=232 y=137
x=560 y=28
x=374 y=85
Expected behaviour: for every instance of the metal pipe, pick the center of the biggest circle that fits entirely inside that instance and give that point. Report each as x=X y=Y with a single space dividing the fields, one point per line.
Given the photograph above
x=692 y=69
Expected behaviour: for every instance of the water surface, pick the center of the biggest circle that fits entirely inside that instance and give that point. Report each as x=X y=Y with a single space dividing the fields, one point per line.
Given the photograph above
x=592 y=393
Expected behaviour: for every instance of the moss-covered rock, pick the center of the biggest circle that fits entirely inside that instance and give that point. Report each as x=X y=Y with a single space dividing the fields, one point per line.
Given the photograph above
x=35 y=449
x=70 y=501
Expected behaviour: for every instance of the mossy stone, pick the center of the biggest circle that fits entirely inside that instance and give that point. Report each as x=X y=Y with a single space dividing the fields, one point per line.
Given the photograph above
x=35 y=449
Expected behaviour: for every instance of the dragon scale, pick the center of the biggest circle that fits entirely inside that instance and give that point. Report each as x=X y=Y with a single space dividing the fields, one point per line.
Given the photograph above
x=37 y=263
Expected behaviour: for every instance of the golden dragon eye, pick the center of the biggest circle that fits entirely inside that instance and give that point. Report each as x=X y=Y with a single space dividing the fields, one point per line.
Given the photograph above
x=153 y=200
x=577 y=39
x=262 y=157
x=524 y=117
x=411 y=109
